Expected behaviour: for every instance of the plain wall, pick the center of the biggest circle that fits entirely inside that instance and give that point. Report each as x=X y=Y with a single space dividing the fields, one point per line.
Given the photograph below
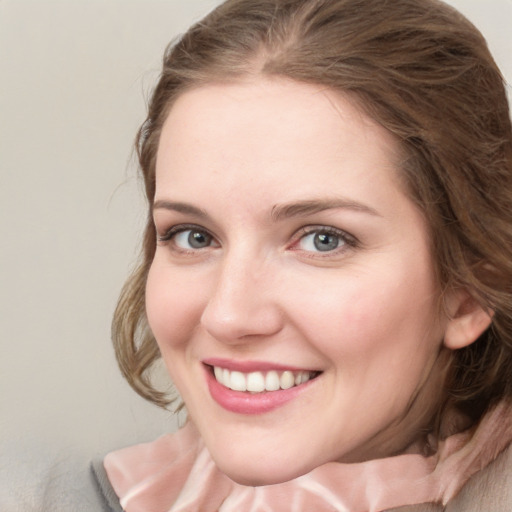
x=74 y=78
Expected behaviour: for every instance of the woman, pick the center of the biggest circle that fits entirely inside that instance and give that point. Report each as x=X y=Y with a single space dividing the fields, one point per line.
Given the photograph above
x=326 y=270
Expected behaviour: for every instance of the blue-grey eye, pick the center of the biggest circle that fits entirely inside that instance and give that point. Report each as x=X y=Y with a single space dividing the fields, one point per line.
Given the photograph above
x=192 y=239
x=321 y=241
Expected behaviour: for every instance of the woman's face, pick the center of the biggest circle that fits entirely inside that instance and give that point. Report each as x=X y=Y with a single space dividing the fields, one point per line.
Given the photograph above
x=291 y=263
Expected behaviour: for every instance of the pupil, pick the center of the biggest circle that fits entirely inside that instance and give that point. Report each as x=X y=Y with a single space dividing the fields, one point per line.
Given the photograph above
x=325 y=242
x=198 y=240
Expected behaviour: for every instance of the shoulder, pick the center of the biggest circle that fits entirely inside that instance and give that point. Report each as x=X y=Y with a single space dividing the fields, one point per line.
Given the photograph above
x=489 y=489
x=109 y=499
x=44 y=479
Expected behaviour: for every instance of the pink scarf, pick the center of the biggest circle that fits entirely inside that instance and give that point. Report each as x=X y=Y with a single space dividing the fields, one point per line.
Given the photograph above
x=175 y=473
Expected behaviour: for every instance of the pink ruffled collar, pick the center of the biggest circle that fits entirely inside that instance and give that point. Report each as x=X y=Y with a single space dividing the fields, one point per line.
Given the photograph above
x=175 y=473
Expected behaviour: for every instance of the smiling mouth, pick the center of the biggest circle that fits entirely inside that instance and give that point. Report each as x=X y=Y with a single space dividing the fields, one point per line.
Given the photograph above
x=260 y=382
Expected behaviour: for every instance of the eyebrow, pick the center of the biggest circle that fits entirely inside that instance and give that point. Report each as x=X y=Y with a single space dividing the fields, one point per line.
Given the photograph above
x=180 y=207
x=279 y=211
x=309 y=207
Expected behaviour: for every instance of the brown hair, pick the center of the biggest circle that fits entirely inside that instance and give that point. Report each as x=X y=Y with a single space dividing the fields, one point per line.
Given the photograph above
x=422 y=71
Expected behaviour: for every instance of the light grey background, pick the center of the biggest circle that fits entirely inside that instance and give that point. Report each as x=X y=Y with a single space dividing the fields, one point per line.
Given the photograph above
x=74 y=76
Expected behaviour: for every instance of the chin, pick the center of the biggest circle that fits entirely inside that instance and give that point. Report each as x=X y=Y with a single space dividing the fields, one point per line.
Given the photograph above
x=260 y=472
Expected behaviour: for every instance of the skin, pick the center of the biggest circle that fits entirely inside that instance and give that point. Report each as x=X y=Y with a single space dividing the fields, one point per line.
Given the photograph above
x=363 y=314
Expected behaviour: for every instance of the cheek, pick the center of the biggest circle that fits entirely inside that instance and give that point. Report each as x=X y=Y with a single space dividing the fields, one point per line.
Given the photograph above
x=173 y=306
x=385 y=316
x=380 y=340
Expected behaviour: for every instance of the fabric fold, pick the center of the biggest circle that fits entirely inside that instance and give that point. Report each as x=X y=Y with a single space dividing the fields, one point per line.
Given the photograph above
x=176 y=473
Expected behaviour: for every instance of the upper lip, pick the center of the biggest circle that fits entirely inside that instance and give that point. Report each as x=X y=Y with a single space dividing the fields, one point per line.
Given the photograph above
x=251 y=366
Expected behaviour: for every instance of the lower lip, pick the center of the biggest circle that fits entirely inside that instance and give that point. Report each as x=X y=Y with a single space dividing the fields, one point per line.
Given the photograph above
x=251 y=403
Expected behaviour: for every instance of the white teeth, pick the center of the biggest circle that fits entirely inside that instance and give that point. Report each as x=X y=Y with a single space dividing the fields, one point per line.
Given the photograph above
x=238 y=382
x=272 y=381
x=257 y=382
x=305 y=376
x=287 y=380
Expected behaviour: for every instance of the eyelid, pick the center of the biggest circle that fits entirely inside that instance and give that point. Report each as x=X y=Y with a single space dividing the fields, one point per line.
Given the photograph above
x=180 y=228
x=350 y=241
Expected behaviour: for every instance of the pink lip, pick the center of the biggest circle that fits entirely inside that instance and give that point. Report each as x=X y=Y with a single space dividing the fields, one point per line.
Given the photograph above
x=249 y=366
x=248 y=403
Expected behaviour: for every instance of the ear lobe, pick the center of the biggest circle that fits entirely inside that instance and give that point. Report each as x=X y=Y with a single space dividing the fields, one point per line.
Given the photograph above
x=467 y=321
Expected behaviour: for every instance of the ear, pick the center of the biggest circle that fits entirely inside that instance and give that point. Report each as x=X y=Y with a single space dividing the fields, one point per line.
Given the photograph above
x=467 y=320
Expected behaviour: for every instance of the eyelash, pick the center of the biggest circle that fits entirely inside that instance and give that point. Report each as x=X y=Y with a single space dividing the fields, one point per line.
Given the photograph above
x=181 y=228
x=347 y=241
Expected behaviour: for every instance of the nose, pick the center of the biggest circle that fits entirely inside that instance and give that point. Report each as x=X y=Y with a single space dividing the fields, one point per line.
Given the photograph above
x=242 y=303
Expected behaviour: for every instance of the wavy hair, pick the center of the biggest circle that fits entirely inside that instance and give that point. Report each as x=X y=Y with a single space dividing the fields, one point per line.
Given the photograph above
x=422 y=71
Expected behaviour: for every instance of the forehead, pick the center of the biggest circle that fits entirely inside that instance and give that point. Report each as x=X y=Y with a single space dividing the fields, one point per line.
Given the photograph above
x=291 y=137
x=270 y=103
